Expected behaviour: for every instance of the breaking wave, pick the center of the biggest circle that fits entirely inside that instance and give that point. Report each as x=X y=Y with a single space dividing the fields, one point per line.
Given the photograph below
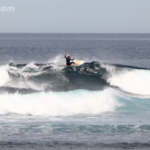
x=57 y=90
x=95 y=76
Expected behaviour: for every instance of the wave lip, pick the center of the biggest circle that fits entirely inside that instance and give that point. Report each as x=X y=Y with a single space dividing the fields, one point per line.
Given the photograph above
x=135 y=81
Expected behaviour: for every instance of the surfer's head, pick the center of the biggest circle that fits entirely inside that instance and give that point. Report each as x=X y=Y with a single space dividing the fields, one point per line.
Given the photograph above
x=68 y=56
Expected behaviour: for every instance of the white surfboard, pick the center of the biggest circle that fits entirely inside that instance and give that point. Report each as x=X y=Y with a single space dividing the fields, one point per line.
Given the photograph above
x=78 y=63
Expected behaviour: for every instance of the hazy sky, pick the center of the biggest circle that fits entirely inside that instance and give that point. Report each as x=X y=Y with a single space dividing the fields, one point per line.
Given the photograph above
x=76 y=16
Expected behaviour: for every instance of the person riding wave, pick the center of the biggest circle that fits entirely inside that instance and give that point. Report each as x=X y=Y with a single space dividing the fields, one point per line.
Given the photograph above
x=68 y=59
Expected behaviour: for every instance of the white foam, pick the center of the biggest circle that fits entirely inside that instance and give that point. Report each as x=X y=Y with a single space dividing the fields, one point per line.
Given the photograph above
x=25 y=73
x=4 y=76
x=29 y=66
x=133 y=81
x=60 y=103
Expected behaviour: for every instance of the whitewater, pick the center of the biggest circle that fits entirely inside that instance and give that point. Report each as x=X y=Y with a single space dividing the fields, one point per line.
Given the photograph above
x=65 y=90
x=101 y=104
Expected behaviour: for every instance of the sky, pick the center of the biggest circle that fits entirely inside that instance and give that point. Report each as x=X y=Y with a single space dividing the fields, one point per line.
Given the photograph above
x=75 y=16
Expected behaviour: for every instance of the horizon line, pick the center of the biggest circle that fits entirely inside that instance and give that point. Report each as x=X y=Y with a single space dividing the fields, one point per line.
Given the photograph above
x=73 y=33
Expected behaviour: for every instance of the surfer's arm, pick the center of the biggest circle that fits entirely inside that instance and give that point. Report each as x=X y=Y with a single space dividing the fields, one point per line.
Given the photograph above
x=65 y=55
x=72 y=59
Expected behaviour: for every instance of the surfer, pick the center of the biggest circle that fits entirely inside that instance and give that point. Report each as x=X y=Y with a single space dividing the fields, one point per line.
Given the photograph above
x=68 y=63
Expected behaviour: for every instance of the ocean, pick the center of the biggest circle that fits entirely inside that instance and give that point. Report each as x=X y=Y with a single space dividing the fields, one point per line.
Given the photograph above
x=101 y=104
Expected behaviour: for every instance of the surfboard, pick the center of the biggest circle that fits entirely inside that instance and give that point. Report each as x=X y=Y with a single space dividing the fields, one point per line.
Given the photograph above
x=78 y=63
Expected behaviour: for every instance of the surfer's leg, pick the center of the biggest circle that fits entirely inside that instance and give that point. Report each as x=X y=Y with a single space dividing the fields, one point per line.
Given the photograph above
x=72 y=63
x=68 y=64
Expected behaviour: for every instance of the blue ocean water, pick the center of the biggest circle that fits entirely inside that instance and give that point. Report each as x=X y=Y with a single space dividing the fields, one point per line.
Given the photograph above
x=102 y=104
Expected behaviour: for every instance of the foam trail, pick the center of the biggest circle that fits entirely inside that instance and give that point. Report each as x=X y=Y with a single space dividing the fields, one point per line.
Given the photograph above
x=60 y=103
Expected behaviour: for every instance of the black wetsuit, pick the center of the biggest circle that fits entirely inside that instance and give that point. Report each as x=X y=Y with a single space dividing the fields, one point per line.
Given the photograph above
x=68 y=63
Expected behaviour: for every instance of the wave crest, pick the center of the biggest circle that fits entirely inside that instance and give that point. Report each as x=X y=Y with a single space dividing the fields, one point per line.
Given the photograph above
x=28 y=78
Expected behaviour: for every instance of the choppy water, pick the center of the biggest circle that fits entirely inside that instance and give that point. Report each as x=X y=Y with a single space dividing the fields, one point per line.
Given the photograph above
x=102 y=104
